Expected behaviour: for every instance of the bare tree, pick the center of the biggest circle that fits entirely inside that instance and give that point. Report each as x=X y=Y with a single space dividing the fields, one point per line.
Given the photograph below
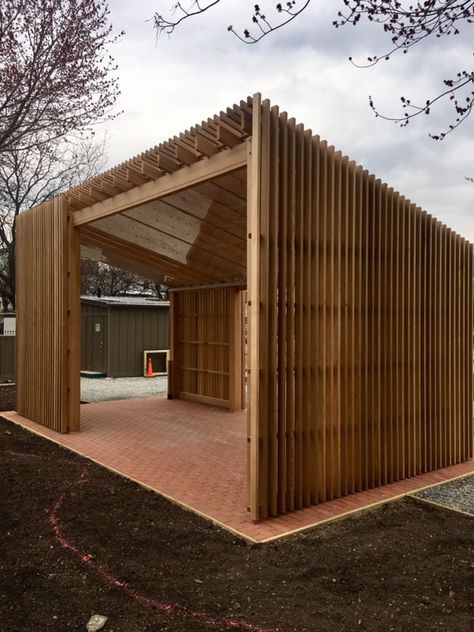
x=407 y=24
x=56 y=73
x=57 y=80
x=101 y=279
x=28 y=178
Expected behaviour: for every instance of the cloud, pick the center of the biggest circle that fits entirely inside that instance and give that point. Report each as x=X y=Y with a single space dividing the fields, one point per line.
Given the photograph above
x=170 y=84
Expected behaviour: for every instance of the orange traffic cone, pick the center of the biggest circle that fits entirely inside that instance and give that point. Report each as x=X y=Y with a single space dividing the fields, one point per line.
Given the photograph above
x=149 y=368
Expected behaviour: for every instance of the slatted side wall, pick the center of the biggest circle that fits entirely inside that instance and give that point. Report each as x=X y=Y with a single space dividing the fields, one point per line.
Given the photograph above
x=207 y=346
x=361 y=340
x=48 y=317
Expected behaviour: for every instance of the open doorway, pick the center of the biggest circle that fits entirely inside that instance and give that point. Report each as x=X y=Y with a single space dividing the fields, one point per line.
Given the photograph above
x=124 y=347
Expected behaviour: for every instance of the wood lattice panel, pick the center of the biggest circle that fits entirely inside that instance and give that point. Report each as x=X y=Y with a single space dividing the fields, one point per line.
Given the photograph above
x=207 y=349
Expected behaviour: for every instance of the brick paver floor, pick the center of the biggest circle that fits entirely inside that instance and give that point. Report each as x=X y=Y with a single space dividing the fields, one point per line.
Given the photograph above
x=196 y=455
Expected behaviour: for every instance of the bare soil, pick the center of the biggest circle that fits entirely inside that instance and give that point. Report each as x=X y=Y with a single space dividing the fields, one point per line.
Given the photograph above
x=76 y=539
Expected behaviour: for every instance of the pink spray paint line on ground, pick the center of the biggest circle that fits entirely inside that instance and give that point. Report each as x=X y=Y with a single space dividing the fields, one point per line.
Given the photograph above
x=204 y=618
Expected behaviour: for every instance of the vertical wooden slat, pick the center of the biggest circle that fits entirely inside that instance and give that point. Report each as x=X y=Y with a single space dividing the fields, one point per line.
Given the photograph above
x=351 y=412
x=307 y=330
x=267 y=502
x=234 y=355
x=358 y=331
x=253 y=292
x=283 y=342
x=331 y=333
x=315 y=321
x=344 y=319
x=299 y=273
x=273 y=298
x=174 y=361
x=366 y=334
x=378 y=324
x=321 y=455
x=337 y=326
x=468 y=439
x=416 y=349
x=429 y=364
x=73 y=321
x=290 y=321
x=383 y=336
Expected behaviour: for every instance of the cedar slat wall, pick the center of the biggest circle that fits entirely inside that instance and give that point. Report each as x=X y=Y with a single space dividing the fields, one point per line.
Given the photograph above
x=207 y=354
x=360 y=348
x=48 y=313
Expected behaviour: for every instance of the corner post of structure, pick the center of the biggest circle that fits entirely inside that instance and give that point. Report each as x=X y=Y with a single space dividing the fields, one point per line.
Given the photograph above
x=253 y=306
x=73 y=324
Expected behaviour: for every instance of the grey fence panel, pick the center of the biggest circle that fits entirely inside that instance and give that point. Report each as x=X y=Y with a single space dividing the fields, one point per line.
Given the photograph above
x=7 y=358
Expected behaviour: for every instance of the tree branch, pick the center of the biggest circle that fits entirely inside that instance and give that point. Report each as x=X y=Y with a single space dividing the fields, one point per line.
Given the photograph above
x=162 y=25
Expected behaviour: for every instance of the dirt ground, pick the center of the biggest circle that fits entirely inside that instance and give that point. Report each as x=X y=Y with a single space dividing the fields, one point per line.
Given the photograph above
x=76 y=540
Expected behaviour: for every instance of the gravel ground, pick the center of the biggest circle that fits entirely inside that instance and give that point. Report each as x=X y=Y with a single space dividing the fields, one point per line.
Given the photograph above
x=108 y=388
x=458 y=494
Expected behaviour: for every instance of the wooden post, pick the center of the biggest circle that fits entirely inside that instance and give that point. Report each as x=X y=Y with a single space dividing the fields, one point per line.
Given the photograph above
x=73 y=321
x=174 y=382
x=236 y=369
x=253 y=313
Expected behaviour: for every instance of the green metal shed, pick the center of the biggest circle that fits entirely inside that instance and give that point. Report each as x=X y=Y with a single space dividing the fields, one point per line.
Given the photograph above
x=116 y=331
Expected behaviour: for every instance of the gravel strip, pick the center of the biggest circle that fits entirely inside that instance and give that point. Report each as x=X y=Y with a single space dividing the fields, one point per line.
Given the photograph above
x=457 y=494
x=109 y=388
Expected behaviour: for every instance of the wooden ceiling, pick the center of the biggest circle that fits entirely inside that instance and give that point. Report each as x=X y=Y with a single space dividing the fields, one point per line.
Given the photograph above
x=191 y=237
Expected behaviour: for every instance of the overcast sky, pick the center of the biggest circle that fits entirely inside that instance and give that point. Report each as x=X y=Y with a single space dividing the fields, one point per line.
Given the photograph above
x=173 y=83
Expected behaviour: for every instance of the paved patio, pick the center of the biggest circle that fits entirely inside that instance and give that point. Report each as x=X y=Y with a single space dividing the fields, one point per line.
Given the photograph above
x=196 y=455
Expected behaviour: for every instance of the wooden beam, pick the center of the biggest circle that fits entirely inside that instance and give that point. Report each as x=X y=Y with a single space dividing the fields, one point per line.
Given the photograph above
x=204 y=399
x=202 y=171
x=239 y=285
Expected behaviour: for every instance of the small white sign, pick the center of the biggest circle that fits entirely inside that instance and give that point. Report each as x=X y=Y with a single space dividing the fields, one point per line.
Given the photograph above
x=97 y=327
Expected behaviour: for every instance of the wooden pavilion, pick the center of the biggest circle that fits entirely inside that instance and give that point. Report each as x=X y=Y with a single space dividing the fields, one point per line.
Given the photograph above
x=359 y=304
